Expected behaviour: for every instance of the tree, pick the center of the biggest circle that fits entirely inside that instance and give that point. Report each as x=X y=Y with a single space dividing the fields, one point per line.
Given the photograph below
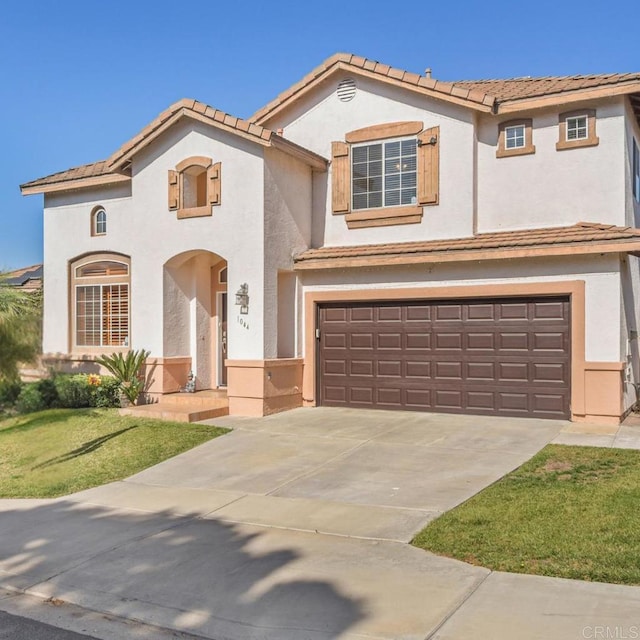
x=20 y=328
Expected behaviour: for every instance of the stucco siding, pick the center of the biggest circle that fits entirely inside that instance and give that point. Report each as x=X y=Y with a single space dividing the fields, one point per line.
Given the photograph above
x=551 y=187
x=287 y=231
x=325 y=118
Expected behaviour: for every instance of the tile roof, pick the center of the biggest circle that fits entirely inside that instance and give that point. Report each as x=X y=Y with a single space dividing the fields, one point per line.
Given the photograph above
x=94 y=169
x=560 y=240
x=523 y=88
x=470 y=95
x=115 y=167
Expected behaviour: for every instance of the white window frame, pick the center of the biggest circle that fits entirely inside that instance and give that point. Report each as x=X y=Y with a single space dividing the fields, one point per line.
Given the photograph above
x=520 y=136
x=384 y=205
x=571 y=123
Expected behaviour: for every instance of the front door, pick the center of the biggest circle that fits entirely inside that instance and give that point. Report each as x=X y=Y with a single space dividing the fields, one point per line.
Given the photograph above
x=223 y=339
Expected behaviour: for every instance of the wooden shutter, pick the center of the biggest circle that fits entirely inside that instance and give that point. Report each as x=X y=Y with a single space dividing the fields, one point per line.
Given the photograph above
x=174 y=190
x=340 y=177
x=429 y=166
x=214 y=179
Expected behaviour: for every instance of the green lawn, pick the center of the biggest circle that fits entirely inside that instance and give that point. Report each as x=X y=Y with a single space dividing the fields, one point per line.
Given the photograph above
x=572 y=512
x=56 y=452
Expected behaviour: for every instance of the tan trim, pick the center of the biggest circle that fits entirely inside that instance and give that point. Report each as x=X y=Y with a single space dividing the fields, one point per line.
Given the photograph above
x=94 y=223
x=194 y=212
x=314 y=160
x=194 y=161
x=590 y=141
x=80 y=183
x=382 y=131
x=568 y=97
x=167 y=375
x=573 y=288
x=383 y=217
x=529 y=148
x=261 y=387
x=466 y=255
x=603 y=386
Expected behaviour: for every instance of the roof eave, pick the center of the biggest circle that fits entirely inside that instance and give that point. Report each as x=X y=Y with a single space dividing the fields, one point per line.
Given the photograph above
x=567 y=97
x=314 y=160
x=29 y=189
x=426 y=86
x=468 y=255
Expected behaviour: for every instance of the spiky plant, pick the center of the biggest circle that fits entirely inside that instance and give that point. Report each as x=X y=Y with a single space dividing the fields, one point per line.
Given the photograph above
x=127 y=369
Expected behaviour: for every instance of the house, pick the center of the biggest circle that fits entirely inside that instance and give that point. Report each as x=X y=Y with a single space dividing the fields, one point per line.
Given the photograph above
x=27 y=278
x=371 y=238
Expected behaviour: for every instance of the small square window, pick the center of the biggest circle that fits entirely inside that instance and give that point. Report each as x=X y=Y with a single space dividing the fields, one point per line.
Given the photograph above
x=577 y=128
x=514 y=137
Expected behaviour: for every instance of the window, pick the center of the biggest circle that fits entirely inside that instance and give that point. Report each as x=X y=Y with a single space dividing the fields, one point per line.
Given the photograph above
x=98 y=222
x=100 y=290
x=384 y=174
x=636 y=171
x=515 y=138
x=577 y=129
x=194 y=187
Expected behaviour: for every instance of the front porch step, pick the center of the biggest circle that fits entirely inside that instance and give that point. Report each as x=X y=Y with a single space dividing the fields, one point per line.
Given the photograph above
x=199 y=398
x=181 y=411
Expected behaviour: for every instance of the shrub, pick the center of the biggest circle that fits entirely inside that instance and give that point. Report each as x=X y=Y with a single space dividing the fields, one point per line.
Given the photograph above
x=73 y=391
x=49 y=393
x=30 y=399
x=128 y=371
x=106 y=394
x=9 y=392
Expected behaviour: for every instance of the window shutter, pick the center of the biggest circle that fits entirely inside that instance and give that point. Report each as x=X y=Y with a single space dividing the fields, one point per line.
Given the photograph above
x=429 y=166
x=340 y=177
x=214 y=179
x=174 y=190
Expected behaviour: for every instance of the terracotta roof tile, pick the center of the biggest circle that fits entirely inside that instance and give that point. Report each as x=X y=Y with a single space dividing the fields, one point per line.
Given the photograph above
x=522 y=88
x=84 y=171
x=577 y=235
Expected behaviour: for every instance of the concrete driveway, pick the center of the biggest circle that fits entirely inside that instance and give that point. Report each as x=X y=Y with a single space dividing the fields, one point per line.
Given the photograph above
x=294 y=527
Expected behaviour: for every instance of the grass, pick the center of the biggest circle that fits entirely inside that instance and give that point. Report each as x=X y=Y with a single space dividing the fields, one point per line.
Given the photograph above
x=60 y=451
x=570 y=512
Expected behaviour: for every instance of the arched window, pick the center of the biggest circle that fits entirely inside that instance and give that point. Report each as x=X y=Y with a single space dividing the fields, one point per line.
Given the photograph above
x=98 y=222
x=194 y=187
x=100 y=298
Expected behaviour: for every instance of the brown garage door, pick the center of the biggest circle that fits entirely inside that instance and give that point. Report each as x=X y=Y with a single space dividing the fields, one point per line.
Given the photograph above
x=500 y=357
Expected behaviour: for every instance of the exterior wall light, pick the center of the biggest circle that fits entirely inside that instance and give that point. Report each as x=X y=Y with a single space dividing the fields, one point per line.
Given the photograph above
x=242 y=298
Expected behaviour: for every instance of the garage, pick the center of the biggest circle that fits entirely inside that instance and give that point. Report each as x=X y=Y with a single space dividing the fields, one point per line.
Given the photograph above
x=508 y=356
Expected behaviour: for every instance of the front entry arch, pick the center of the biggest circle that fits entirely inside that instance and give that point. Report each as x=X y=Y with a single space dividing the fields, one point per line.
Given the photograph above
x=193 y=315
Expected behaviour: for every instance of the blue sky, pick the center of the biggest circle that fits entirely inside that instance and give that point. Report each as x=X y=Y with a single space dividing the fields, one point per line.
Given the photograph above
x=80 y=78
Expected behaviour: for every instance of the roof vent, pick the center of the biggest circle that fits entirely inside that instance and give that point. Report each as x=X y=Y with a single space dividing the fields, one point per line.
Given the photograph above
x=346 y=90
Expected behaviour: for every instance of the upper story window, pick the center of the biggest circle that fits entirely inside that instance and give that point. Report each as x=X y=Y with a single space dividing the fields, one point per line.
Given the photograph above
x=384 y=174
x=577 y=129
x=194 y=187
x=636 y=171
x=98 y=221
x=100 y=298
x=515 y=138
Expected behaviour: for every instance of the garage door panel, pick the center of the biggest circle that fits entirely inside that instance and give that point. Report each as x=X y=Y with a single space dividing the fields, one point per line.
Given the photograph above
x=504 y=357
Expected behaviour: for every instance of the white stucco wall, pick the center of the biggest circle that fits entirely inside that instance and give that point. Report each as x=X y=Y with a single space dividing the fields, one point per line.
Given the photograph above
x=322 y=118
x=553 y=188
x=143 y=227
x=287 y=231
x=601 y=275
